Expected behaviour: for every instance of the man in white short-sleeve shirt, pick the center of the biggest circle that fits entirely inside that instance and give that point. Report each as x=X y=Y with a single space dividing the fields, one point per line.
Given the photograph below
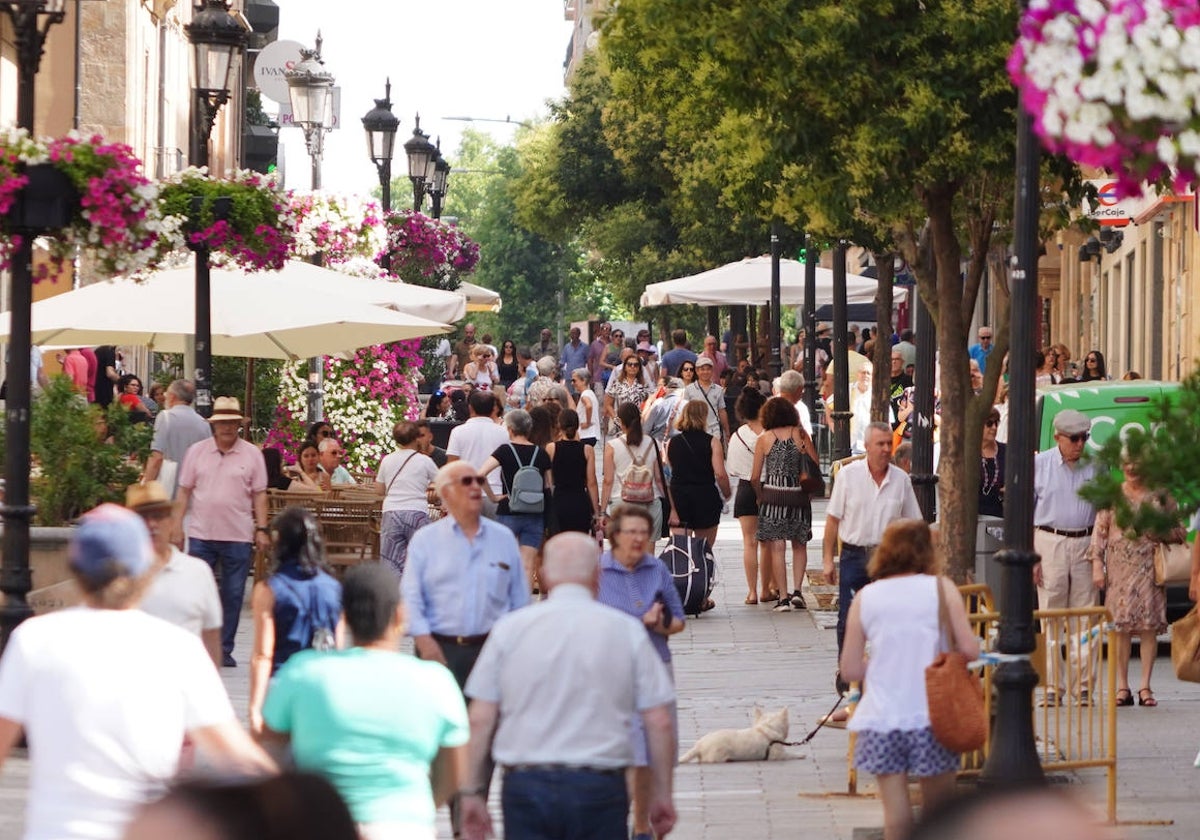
x=539 y=710
x=106 y=694
x=183 y=590
x=868 y=495
x=475 y=441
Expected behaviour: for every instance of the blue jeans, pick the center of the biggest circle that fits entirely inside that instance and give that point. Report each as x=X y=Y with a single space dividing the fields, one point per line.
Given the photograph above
x=852 y=576
x=230 y=562
x=564 y=805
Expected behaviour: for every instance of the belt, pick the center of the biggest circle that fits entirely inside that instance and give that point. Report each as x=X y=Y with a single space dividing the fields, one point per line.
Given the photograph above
x=1080 y=532
x=564 y=768
x=460 y=641
x=865 y=549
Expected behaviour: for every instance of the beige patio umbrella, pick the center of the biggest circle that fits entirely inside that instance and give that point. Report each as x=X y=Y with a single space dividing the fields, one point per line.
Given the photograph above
x=480 y=299
x=256 y=315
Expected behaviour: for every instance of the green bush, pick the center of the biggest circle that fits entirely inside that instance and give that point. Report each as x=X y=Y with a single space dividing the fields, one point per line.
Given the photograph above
x=75 y=468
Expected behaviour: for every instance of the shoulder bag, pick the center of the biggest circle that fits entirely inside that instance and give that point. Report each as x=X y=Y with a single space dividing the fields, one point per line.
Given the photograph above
x=1172 y=563
x=955 y=696
x=1185 y=646
x=811 y=480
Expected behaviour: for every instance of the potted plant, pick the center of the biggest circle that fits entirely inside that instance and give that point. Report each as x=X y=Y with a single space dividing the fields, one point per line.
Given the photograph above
x=339 y=228
x=428 y=251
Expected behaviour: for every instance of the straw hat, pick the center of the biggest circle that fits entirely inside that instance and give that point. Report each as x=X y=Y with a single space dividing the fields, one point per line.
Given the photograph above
x=226 y=408
x=148 y=497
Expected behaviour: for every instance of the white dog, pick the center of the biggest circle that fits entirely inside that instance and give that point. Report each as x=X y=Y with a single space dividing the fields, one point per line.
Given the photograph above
x=764 y=741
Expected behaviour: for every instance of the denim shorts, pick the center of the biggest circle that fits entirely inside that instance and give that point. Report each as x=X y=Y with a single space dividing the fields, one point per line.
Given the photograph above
x=528 y=528
x=914 y=752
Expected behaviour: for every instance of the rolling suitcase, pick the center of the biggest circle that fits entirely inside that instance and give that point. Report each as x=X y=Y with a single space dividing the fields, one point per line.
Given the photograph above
x=690 y=561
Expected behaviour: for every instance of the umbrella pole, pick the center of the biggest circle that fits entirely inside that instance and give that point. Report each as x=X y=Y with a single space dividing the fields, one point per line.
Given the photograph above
x=249 y=403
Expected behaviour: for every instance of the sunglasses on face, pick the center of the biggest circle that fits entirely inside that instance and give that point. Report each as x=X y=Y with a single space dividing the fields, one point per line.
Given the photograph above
x=1082 y=437
x=325 y=433
x=686 y=370
x=991 y=424
x=468 y=480
x=633 y=364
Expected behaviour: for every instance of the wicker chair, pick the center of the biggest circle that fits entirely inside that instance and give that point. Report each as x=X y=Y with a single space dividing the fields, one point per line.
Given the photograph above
x=349 y=528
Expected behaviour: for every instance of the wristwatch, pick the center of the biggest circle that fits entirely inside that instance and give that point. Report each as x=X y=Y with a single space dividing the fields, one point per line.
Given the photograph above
x=262 y=528
x=475 y=791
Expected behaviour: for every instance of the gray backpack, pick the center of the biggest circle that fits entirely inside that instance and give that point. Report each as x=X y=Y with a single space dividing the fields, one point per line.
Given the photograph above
x=528 y=491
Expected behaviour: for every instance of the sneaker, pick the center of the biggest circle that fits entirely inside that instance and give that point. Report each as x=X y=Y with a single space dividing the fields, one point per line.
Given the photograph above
x=1084 y=698
x=229 y=661
x=798 y=600
x=1050 y=699
x=784 y=605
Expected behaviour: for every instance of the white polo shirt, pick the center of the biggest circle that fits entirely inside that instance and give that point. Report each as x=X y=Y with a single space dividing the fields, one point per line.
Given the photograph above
x=864 y=509
x=474 y=442
x=184 y=593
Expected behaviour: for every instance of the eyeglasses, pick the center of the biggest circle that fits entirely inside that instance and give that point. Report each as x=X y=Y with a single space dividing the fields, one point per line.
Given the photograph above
x=324 y=433
x=1093 y=360
x=1082 y=437
x=985 y=338
x=468 y=480
x=686 y=369
x=633 y=364
x=991 y=424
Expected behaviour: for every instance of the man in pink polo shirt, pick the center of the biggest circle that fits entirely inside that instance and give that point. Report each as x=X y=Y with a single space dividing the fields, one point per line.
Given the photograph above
x=224 y=480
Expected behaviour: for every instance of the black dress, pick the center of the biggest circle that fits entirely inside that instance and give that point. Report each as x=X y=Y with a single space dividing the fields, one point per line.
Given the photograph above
x=693 y=483
x=509 y=372
x=991 y=484
x=572 y=505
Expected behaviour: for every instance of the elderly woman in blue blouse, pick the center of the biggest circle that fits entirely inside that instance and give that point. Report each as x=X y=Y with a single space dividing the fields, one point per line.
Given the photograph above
x=638 y=583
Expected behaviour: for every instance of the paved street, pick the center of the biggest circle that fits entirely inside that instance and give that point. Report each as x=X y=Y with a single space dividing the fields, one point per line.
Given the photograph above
x=738 y=656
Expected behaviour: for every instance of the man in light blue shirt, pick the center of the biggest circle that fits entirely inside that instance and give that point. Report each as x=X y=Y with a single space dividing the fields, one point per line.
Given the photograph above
x=574 y=355
x=463 y=573
x=980 y=352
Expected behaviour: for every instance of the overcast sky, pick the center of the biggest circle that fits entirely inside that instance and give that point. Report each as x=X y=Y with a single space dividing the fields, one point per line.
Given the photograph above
x=477 y=58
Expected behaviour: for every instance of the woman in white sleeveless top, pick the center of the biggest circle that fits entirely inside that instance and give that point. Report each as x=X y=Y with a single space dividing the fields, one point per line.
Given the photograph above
x=897 y=615
x=738 y=462
x=619 y=455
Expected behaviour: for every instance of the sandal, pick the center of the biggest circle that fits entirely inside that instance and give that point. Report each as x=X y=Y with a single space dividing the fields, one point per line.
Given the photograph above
x=1124 y=697
x=1146 y=697
x=751 y=600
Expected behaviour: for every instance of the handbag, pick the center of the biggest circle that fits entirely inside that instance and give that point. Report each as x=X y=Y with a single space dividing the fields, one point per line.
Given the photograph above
x=1172 y=563
x=785 y=496
x=811 y=480
x=1185 y=647
x=956 y=712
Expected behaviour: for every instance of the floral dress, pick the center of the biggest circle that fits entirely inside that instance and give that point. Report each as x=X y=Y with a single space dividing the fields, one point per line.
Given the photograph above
x=1135 y=601
x=623 y=391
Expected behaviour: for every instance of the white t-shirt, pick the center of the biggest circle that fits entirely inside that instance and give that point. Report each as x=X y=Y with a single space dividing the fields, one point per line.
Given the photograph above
x=405 y=483
x=184 y=592
x=590 y=430
x=106 y=697
x=474 y=442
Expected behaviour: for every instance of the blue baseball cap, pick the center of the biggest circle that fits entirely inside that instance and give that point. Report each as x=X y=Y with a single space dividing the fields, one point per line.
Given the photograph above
x=110 y=541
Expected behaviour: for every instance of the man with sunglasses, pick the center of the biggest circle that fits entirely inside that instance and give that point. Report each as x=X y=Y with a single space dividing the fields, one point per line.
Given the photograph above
x=980 y=352
x=463 y=573
x=1062 y=534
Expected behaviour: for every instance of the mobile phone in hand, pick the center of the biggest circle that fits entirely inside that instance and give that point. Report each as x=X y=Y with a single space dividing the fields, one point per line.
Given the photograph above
x=666 y=611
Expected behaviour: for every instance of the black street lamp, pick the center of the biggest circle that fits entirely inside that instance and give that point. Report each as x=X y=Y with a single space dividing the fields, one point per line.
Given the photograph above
x=1013 y=757
x=440 y=182
x=216 y=37
x=31 y=22
x=381 y=126
x=422 y=162
x=310 y=89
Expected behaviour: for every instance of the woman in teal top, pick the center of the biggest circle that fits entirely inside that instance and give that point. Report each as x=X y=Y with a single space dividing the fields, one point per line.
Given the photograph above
x=388 y=730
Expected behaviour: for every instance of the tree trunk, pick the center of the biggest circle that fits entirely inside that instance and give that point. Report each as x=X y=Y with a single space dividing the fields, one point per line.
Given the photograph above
x=881 y=381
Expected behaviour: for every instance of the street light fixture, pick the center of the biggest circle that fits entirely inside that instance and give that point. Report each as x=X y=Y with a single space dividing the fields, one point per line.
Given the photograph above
x=31 y=22
x=439 y=183
x=422 y=159
x=381 y=126
x=216 y=37
x=310 y=89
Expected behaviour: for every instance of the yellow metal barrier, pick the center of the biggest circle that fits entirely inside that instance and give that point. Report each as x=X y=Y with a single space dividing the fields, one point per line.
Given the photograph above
x=1076 y=725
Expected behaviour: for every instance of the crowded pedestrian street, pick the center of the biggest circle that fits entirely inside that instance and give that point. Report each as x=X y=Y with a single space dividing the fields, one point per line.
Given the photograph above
x=736 y=657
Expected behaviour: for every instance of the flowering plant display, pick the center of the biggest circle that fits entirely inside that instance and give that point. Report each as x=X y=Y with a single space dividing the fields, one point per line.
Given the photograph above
x=429 y=251
x=365 y=395
x=115 y=223
x=257 y=235
x=341 y=228
x=1115 y=84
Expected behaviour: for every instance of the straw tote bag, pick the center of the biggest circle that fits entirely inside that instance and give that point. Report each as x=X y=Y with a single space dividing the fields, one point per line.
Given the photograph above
x=955 y=696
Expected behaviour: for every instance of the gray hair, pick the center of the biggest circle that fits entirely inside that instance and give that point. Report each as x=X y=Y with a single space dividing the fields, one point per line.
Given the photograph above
x=182 y=390
x=583 y=374
x=546 y=366
x=561 y=395
x=518 y=422
x=880 y=427
x=326 y=443
x=790 y=382
x=570 y=557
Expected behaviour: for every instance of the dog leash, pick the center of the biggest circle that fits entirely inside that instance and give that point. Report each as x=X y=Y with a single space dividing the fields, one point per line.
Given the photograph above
x=807 y=737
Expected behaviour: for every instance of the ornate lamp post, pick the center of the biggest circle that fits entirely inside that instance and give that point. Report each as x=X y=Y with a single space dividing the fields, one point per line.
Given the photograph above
x=422 y=162
x=381 y=126
x=439 y=184
x=31 y=22
x=310 y=88
x=216 y=37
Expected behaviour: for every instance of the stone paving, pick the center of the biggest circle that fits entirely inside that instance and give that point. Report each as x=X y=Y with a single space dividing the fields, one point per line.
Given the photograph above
x=737 y=656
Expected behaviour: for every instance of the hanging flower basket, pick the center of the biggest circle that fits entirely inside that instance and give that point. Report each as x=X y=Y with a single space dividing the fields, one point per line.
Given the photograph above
x=257 y=234
x=427 y=251
x=114 y=224
x=340 y=228
x=1115 y=84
